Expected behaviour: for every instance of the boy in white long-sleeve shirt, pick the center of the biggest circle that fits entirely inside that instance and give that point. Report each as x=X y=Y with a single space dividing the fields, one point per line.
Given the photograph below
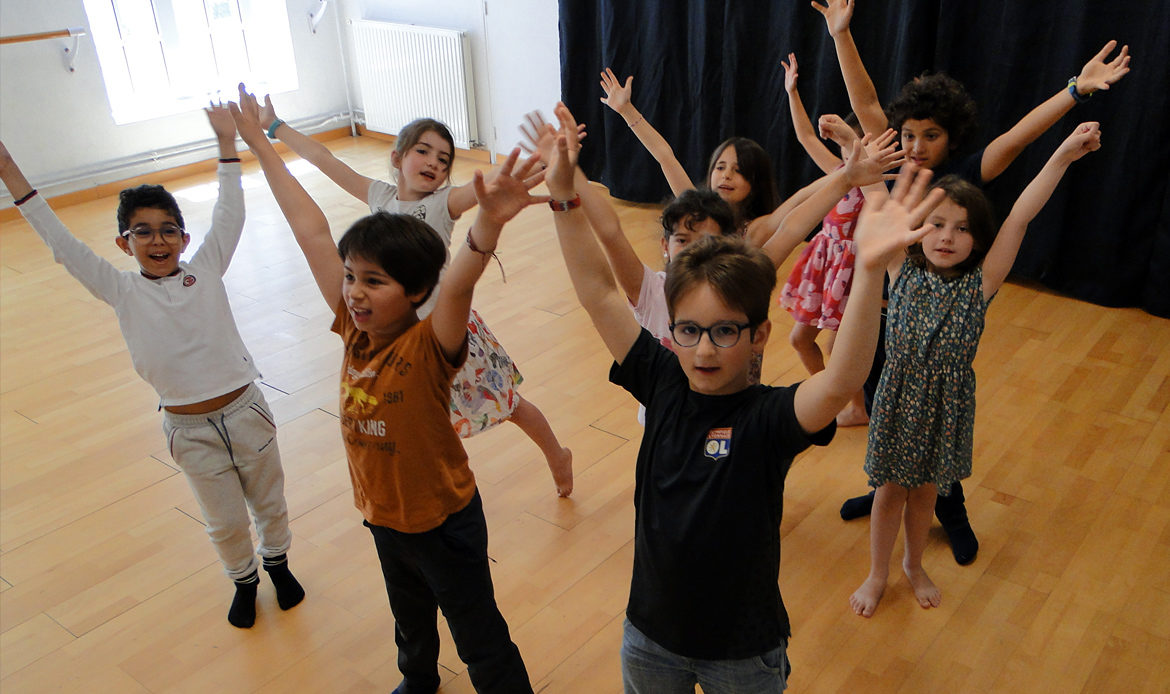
x=178 y=326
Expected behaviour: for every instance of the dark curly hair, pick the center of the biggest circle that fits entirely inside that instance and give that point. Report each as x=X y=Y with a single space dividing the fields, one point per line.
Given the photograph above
x=941 y=98
x=405 y=247
x=694 y=206
x=756 y=167
x=980 y=222
x=150 y=196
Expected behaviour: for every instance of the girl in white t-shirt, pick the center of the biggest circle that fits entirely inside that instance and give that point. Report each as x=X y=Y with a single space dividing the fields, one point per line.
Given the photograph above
x=484 y=392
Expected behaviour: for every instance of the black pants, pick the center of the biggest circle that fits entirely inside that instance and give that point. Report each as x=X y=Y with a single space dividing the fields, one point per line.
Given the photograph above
x=448 y=568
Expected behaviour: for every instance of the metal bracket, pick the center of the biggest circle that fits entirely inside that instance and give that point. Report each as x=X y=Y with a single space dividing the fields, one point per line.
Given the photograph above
x=71 y=53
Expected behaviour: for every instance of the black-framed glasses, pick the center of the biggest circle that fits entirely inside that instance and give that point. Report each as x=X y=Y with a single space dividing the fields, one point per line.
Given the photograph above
x=722 y=334
x=168 y=232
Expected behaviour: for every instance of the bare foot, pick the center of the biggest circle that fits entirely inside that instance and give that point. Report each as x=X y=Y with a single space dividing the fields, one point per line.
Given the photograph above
x=865 y=599
x=924 y=589
x=562 y=472
x=852 y=416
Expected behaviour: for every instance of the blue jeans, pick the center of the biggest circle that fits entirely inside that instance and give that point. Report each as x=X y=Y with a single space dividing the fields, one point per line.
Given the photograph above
x=648 y=668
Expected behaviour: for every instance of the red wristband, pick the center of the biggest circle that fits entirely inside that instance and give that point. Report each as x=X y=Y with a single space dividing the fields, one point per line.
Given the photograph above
x=565 y=205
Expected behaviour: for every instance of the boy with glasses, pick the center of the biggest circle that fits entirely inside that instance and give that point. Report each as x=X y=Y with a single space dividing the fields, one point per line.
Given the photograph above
x=705 y=607
x=218 y=426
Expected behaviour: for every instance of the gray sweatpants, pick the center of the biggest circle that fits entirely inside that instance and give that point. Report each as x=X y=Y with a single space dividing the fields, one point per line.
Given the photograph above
x=232 y=463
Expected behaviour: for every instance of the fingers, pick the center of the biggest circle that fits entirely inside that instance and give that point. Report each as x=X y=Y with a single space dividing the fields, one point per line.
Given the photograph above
x=509 y=162
x=1112 y=43
x=528 y=166
x=927 y=203
x=823 y=9
x=534 y=180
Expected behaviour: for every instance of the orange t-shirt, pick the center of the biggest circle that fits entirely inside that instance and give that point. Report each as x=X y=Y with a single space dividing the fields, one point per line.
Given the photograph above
x=407 y=465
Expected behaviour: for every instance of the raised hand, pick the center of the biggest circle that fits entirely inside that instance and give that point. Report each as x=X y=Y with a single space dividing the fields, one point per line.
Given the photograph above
x=617 y=96
x=790 y=73
x=1098 y=74
x=537 y=135
x=831 y=127
x=506 y=193
x=887 y=226
x=1085 y=138
x=837 y=14
x=568 y=147
x=246 y=114
x=220 y=118
x=870 y=157
x=267 y=113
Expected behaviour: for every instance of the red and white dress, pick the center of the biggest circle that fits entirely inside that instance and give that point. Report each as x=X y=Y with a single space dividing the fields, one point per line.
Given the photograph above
x=818 y=288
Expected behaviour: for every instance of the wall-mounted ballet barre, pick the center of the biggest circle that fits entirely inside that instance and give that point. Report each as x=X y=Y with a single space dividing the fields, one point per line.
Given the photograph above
x=70 y=53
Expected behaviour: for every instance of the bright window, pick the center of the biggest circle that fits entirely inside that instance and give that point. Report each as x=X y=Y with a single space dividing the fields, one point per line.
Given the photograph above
x=161 y=57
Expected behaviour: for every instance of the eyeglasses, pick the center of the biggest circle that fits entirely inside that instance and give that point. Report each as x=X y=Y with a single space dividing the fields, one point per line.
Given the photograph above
x=168 y=232
x=722 y=334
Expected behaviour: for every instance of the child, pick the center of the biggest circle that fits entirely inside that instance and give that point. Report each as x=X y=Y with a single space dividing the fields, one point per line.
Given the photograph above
x=409 y=470
x=818 y=287
x=935 y=117
x=740 y=170
x=696 y=213
x=485 y=391
x=219 y=428
x=924 y=410
x=710 y=474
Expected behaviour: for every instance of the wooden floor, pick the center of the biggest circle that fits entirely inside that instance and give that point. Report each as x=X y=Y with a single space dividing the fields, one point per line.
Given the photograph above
x=110 y=585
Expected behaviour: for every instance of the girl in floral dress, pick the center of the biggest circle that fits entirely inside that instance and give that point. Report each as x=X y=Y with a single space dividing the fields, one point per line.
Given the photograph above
x=921 y=431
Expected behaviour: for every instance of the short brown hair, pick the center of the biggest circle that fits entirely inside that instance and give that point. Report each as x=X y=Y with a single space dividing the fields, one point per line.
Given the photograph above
x=741 y=274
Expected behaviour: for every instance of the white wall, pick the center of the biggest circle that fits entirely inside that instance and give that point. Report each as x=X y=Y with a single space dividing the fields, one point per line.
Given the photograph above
x=515 y=54
x=58 y=125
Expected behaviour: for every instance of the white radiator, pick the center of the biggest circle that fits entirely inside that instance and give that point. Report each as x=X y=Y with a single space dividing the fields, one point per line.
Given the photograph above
x=407 y=72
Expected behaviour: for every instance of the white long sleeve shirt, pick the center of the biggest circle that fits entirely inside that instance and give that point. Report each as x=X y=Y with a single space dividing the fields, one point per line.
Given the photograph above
x=180 y=330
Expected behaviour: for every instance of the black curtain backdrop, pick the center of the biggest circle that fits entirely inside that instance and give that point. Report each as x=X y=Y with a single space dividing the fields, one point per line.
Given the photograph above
x=708 y=69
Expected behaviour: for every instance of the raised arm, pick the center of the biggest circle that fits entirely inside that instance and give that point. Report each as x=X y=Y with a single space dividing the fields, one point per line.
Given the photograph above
x=1002 y=254
x=863 y=98
x=623 y=259
x=883 y=229
x=806 y=135
x=308 y=222
x=315 y=153
x=860 y=169
x=14 y=180
x=500 y=200
x=617 y=97
x=592 y=280
x=1096 y=75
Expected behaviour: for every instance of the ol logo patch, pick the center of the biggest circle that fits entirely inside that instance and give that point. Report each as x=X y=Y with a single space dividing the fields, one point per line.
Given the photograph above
x=718 y=445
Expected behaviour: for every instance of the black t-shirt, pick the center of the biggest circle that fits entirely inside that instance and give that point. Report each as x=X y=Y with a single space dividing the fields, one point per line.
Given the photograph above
x=968 y=168
x=708 y=500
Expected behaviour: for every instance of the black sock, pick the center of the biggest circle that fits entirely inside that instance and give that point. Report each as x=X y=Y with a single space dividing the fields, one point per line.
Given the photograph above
x=964 y=544
x=289 y=592
x=951 y=511
x=857 y=507
x=242 y=613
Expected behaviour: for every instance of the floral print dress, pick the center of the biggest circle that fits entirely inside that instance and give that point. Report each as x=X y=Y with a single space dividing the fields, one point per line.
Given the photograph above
x=818 y=286
x=923 y=419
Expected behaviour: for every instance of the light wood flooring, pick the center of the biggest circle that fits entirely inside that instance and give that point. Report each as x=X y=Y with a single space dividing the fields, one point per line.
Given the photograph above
x=110 y=585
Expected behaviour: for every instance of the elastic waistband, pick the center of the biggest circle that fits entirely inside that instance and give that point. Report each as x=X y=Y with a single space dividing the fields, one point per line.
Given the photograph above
x=250 y=394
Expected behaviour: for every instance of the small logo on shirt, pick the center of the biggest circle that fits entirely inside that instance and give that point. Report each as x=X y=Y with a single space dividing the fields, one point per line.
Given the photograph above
x=420 y=212
x=188 y=280
x=718 y=445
